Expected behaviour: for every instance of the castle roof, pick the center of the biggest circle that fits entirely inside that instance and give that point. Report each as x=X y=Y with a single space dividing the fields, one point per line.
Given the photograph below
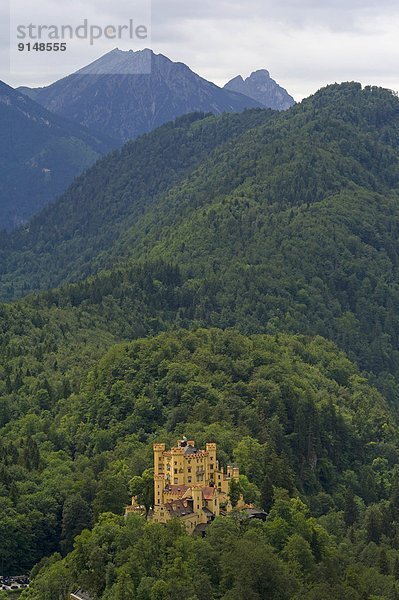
x=190 y=450
x=255 y=513
x=177 y=490
x=208 y=493
x=207 y=512
x=179 y=508
x=201 y=529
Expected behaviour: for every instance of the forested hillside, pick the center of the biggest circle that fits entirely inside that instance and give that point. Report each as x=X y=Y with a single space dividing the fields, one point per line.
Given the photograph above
x=66 y=241
x=341 y=138
x=244 y=254
x=292 y=411
x=278 y=222
x=40 y=154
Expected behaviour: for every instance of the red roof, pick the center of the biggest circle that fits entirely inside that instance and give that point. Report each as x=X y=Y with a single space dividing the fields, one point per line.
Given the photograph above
x=208 y=493
x=177 y=490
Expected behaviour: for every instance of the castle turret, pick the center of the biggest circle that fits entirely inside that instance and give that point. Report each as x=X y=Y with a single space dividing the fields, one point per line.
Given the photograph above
x=159 y=477
x=159 y=449
x=159 y=486
x=211 y=463
x=196 y=494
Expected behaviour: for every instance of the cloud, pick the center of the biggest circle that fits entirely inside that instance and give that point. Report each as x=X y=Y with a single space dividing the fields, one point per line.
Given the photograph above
x=336 y=15
x=305 y=44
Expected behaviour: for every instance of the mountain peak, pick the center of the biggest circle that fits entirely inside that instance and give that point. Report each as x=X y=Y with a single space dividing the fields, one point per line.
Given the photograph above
x=121 y=62
x=261 y=87
x=260 y=74
x=132 y=92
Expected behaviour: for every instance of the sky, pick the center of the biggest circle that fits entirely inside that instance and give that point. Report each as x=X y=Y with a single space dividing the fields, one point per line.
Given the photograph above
x=304 y=44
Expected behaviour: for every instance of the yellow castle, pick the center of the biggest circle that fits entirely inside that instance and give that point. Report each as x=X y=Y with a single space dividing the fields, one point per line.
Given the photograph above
x=189 y=485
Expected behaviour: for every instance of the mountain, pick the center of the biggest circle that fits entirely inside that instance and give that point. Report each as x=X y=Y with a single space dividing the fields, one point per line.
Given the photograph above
x=278 y=221
x=261 y=87
x=40 y=154
x=231 y=244
x=64 y=241
x=114 y=96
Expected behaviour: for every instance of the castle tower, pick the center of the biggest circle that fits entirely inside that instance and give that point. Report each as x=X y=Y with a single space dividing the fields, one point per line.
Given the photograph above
x=159 y=486
x=159 y=449
x=196 y=493
x=159 y=477
x=211 y=464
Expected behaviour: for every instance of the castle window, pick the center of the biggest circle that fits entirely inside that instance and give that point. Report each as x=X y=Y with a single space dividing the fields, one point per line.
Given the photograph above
x=175 y=471
x=211 y=467
x=189 y=479
x=189 y=469
x=176 y=480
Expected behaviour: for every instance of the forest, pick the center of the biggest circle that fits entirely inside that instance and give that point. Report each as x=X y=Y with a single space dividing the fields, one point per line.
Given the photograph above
x=233 y=279
x=313 y=439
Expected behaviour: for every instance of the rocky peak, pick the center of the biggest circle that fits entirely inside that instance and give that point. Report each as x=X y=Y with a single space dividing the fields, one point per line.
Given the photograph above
x=261 y=87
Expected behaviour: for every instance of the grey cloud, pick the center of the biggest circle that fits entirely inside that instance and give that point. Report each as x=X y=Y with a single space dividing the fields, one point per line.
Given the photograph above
x=304 y=43
x=338 y=15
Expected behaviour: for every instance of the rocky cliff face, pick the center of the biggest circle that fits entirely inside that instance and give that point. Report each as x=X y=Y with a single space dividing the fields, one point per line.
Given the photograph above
x=262 y=88
x=125 y=94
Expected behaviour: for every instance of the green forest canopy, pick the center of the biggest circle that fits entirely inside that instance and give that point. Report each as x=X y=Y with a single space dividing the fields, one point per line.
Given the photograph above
x=263 y=248
x=294 y=413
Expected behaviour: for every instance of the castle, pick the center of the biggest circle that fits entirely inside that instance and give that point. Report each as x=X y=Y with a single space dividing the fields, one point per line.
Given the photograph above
x=188 y=485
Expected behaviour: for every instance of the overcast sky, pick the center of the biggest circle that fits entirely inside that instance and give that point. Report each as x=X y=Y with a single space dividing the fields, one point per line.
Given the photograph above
x=305 y=44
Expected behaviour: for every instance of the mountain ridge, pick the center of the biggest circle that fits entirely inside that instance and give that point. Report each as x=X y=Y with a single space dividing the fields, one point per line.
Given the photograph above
x=236 y=206
x=40 y=155
x=130 y=93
